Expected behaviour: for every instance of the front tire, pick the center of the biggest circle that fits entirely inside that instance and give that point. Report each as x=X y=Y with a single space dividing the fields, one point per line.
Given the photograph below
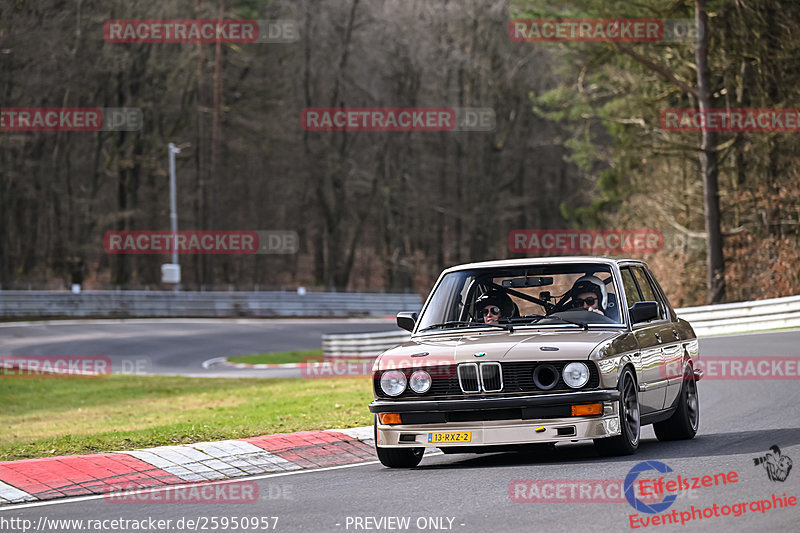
x=627 y=442
x=396 y=457
x=683 y=423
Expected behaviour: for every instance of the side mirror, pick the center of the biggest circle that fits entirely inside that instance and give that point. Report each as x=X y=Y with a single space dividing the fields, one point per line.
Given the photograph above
x=643 y=311
x=407 y=320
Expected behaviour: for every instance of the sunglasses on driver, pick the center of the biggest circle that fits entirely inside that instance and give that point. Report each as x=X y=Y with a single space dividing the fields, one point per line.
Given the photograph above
x=578 y=302
x=493 y=310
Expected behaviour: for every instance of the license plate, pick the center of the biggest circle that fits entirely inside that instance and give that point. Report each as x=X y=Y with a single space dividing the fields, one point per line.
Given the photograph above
x=450 y=436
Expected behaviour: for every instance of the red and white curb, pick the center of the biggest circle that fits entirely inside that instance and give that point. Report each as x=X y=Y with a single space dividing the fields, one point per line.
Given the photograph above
x=75 y=475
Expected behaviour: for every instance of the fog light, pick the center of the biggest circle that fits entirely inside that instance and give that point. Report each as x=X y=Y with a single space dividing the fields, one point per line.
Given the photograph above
x=390 y=418
x=588 y=409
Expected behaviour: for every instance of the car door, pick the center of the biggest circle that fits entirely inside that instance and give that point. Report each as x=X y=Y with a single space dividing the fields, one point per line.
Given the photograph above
x=671 y=346
x=652 y=385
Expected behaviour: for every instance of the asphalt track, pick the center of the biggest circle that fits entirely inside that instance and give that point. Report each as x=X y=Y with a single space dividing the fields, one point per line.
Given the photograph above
x=740 y=420
x=178 y=346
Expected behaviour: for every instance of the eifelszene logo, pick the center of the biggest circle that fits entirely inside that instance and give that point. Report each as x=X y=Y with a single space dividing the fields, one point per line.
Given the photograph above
x=638 y=504
x=670 y=488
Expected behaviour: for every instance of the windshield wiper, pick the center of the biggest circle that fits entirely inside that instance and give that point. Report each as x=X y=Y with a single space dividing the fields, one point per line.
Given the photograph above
x=467 y=323
x=584 y=325
x=536 y=318
x=526 y=318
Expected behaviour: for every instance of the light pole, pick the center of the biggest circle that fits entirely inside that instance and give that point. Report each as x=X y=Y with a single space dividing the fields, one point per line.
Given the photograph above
x=173 y=210
x=171 y=273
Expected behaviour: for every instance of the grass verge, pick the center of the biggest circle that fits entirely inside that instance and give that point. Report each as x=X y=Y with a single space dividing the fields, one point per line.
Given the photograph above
x=278 y=357
x=48 y=417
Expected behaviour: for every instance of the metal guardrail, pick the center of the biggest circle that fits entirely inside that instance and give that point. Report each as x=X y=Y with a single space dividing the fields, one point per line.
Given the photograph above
x=144 y=304
x=361 y=344
x=759 y=315
x=707 y=320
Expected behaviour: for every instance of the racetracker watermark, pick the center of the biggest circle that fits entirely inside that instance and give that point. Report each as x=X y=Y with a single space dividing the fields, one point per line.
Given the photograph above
x=767 y=368
x=731 y=120
x=344 y=366
x=313 y=368
x=581 y=491
x=201 y=242
x=203 y=493
x=70 y=119
x=567 y=241
x=397 y=119
x=201 y=31
x=69 y=366
x=624 y=30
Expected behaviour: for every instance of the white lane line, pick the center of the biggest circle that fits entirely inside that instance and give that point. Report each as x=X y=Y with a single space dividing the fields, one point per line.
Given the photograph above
x=223 y=361
x=214 y=361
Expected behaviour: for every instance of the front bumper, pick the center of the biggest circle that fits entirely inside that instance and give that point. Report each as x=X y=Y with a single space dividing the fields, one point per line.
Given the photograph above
x=497 y=421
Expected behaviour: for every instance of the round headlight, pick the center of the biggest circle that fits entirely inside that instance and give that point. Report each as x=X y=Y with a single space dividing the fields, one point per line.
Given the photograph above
x=576 y=375
x=420 y=381
x=393 y=382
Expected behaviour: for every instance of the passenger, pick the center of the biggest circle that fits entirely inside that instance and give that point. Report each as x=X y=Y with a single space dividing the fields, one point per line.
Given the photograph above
x=589 y=292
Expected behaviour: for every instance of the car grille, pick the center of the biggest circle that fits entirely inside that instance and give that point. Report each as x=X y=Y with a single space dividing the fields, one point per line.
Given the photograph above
x=517 y=378
x=468 y=377
x=491 y=377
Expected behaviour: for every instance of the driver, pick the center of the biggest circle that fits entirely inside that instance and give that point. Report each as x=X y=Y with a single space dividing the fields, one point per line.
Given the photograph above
x=589 y=292
x=494 y=304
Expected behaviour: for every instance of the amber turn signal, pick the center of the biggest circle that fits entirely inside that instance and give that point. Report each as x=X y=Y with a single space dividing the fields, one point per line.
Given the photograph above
x=392 y=418
x=587 y=409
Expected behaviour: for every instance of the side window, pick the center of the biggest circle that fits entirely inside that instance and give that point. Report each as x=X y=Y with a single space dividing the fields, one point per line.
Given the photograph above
x=644 y=285
x=631 y=291
x=648 y=292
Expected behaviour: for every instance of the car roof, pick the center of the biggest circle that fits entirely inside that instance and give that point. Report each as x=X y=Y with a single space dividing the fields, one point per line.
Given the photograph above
x=541 y=261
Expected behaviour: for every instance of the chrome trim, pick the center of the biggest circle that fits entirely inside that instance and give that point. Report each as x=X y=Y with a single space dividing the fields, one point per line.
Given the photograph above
x=499 y=371
x=644 y=387
x=477 y=378
x=480 y=404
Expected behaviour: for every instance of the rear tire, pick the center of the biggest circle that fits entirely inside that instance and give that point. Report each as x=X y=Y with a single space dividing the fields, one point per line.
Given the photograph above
x=627 y=442
x=683 y=423
x=396 y=457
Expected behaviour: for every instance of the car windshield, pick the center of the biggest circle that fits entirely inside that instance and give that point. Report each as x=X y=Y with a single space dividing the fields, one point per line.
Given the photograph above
x=563 y=295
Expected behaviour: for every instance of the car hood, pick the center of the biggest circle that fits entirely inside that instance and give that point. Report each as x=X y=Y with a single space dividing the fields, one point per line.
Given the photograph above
x=539 y=345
